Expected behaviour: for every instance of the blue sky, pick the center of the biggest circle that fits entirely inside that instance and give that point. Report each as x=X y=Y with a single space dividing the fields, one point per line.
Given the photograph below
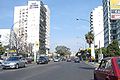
x=65 y=29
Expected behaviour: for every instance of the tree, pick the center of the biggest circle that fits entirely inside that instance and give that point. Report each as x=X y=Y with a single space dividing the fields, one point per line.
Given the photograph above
x=2 y=49
x=113 y=49
x=89 y=38
x=16 y=42
x=62 y=50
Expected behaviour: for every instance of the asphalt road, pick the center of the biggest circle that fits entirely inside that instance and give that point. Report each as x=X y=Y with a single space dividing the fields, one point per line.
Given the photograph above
x=51 y=71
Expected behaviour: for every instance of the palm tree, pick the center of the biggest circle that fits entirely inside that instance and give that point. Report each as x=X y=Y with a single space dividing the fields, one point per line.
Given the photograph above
x=89 y=38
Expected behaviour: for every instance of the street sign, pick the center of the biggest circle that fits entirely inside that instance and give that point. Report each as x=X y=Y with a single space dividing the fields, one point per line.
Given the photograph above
x=12 y=51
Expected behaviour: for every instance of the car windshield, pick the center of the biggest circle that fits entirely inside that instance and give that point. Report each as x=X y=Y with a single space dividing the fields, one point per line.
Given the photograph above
x=13 y=59
x=41 y=58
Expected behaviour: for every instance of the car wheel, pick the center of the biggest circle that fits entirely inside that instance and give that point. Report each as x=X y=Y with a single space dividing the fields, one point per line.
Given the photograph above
x=107 y=79
x=24 y=65
x=95 y=77
x=37 y=62
x=46 y=62
x=17 y=66
x=3 y=68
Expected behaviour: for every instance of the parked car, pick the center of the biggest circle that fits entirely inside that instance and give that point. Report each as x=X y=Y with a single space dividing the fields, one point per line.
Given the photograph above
x=1 y=60
x=29 y=60
x=42 y=60
x=24 y=60
x=56 y=59
x=69 y=60
x=77 y=60
x=109 y=69
x=13 y=62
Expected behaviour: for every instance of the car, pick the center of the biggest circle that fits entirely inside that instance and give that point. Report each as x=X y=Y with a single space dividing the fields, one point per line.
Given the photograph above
x=13 y=62
x=1 y=60
x=69 y=60
x=109 y=69
x=29 y=60
x=56 y=59
x=24 y=60
x=42 y=60
x=77 y=60
x=63 y=59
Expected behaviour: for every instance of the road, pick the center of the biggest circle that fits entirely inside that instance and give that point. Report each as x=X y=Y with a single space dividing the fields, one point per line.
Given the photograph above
x=51 y=71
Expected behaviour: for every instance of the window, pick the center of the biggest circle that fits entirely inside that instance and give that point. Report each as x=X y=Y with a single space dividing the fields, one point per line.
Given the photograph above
x=118 y=62
x=108 y=64
x=102 y=64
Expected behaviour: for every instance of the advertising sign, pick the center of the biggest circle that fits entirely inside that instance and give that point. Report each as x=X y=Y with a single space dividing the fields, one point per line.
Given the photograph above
x=115 y=16
x=34 y=5
x=115 y=4
x=115 y=9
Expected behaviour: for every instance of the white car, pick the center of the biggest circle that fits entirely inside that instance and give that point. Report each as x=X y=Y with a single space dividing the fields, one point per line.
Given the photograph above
x=56 y=59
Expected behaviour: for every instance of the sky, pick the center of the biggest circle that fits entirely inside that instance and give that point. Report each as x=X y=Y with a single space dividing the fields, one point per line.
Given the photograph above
x=64 y=28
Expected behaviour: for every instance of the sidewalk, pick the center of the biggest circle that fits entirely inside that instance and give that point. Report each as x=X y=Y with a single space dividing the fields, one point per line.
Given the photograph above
x=94 y=64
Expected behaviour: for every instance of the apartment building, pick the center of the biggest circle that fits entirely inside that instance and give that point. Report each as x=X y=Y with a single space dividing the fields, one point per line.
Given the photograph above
x=32 y=26
x=111 y=13
x=96 y=26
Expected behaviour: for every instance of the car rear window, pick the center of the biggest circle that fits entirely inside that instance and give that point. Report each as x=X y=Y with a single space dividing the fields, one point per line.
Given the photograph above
x=13 y=59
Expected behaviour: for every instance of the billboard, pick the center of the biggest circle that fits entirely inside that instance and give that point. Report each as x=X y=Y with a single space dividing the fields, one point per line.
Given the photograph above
x=115 y=9
x=115 y=16
x=115 y=4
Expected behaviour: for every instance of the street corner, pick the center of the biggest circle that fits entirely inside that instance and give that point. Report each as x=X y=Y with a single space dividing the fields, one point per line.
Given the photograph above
x=96 y=65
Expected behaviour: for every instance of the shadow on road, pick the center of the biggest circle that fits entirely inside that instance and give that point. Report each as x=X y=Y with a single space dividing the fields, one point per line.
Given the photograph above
x=87 y=68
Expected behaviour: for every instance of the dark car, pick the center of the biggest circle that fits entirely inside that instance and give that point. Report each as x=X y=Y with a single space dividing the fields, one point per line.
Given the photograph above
x=109 y=69
x=29 y=60
x=42 y=60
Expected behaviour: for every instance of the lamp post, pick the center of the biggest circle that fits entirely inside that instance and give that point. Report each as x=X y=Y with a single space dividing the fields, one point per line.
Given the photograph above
x=93 y=45
x=84 y=44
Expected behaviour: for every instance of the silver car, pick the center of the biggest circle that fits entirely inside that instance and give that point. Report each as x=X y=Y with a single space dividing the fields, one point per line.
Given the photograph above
x=13 y=62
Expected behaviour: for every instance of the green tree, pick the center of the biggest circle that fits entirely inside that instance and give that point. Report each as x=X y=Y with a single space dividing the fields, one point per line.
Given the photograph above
x=89 y=38
x=2 y=49
x=113 y=49
x=62 y=50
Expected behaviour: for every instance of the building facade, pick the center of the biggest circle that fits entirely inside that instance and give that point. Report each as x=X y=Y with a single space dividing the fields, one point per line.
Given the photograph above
x=96 y=26
x=33 y=26
x=47 y=40
x=111 y=13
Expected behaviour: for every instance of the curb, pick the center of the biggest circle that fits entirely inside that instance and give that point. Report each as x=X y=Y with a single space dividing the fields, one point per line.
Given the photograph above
x=92 y=64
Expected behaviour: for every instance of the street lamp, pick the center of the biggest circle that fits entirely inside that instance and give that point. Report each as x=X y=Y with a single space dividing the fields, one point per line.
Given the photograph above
x=84 y=44
x=93 y=45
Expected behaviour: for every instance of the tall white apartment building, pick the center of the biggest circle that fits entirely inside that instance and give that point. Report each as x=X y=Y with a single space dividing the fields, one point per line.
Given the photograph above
x=4 y=36
x=47 y=40
x=96 y=26
x=32 y=25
